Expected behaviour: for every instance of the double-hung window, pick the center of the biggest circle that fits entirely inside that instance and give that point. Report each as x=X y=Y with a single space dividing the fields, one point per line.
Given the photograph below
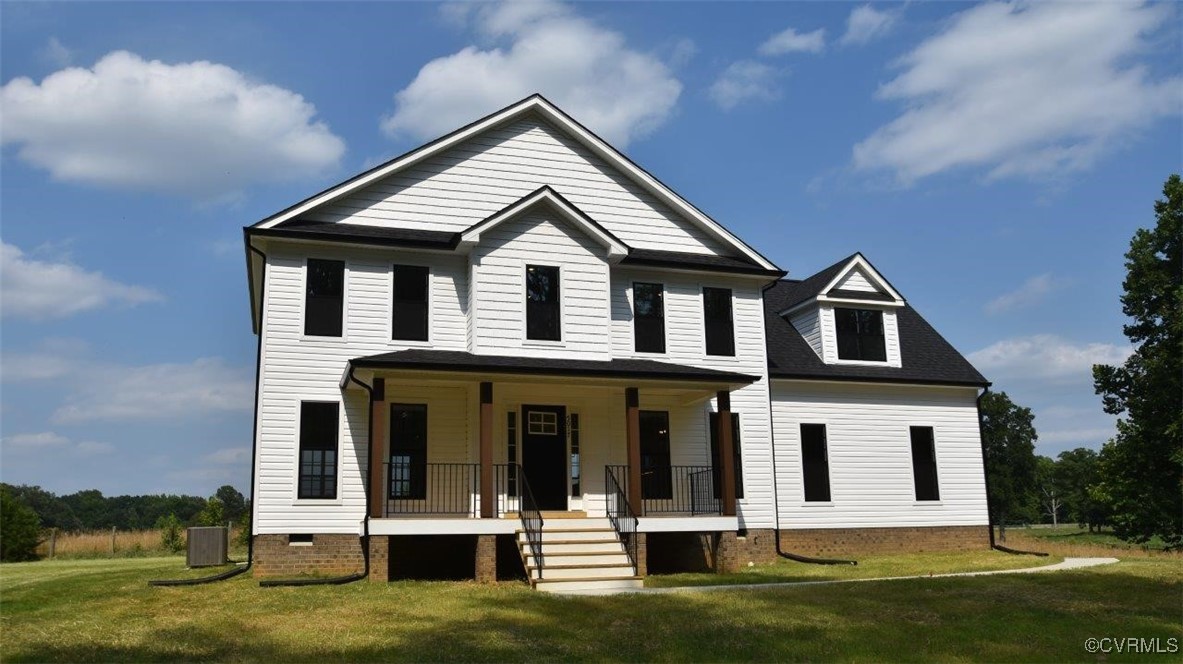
x=720 y=330
x=409 y=305
x=860 y=335
x=324 y=299
x=318 y=450
x=543 y=313
x=649 y=317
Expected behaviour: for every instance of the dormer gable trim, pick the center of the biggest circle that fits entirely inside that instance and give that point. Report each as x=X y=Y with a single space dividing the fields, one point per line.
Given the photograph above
x=544 y=195
x=539 y=105
x=884 y=297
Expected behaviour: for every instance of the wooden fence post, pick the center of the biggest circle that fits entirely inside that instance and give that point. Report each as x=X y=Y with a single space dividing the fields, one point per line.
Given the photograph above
x=53 y=541
x=112 y=540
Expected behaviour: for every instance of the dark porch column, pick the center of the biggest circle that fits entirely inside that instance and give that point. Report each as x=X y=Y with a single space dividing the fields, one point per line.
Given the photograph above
x=377 y=448
x=488 y=499
x=632 y=436
x=726 y=453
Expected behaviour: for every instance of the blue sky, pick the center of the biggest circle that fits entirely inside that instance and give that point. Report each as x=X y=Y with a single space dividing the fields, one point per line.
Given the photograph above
x=991 y=160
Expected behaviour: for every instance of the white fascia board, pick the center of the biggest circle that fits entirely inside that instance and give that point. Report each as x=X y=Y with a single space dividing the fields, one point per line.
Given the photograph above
x=859 y=262
x=616 y=249
x=824 y=299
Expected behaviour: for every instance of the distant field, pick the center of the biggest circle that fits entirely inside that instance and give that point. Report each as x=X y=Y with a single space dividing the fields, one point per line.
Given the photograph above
x=1072 y=540
x=103 y=610
x=124 y=544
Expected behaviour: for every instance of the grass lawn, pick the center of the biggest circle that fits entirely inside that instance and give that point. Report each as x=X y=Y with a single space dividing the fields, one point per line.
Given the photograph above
x=103 y=610
x=869 y=567
x=1066 y=537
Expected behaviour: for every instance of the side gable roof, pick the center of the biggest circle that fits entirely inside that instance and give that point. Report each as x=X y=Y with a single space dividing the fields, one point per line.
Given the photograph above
x=541 y=106
x=546 y=196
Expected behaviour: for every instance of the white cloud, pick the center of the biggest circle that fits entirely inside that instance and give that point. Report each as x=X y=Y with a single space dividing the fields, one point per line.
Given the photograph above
x=198 y=128
x=228 y=456
x=40 y=290
x=791 y=41
x=156 y=391
x=55 y=53
x=745 y=80
x=42 y=440
x=1031 y=292
x=1045 y=357
x=1021 y=89
x=620 y=93
x=866 y=23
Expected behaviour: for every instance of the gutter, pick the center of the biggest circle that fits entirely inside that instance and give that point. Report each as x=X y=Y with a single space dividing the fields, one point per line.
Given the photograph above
x=365 y=538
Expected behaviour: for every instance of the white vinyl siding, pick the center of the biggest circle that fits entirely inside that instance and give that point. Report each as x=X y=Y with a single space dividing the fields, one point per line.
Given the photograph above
x=808 y=323
x=295 y=368
x=869 y=446
x=470 y=182
x=499 y=277
x=891 y=337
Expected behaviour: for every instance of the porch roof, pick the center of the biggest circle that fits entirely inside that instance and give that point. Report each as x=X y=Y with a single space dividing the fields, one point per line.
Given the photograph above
x=453 y=361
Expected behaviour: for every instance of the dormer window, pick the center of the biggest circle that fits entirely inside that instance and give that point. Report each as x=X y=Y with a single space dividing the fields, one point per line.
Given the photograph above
x=860 y=335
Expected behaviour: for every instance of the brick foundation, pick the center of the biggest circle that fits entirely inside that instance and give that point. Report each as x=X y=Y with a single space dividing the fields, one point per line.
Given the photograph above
x=642 y=554
x=726 y=552
x=327 y=554
x=840 y=542
x=379 y=558
x=486 y=558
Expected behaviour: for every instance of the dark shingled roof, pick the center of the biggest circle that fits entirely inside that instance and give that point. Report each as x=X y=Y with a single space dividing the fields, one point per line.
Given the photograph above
x=454 y=360
x=927 y=357
x=357 y=233
x=684 y=260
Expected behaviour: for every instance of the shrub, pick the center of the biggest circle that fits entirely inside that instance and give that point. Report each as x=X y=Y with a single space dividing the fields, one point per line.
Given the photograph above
x=172 y=536
x=20 y=529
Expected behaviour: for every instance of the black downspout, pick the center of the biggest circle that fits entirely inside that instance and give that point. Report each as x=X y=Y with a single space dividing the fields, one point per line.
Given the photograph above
x=365 y=539
x=776 y=492
x=250 y=539
x=986 y=476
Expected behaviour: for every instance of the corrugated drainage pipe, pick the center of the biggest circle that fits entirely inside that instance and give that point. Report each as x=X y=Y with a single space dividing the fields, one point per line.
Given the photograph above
x=365 y=539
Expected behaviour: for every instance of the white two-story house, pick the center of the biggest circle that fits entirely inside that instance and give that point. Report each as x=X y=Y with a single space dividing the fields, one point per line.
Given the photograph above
x=514 y=351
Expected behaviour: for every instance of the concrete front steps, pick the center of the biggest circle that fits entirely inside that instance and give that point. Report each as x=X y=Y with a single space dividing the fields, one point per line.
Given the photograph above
x=579 y=555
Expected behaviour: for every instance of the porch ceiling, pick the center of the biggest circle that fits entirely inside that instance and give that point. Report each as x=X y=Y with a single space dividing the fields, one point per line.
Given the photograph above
x=607 y=371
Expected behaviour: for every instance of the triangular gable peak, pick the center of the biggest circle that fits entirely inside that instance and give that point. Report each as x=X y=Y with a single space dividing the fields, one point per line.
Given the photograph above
x=859 y=282
x=545 y=196
x=551 y=114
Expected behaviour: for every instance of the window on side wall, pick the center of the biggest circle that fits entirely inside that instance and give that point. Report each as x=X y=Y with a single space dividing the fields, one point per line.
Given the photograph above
x=543 y=314
x=720 y=330
x=324 y=300
x=815 y=463
x=409 y=306
x=860 y=335
x=319 y=428
x=649 y=317
x=924 y=463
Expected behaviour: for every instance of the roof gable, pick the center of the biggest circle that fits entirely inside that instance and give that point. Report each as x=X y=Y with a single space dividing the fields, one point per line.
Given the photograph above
x=550 y=198
x=852 y=280
x=539 y=106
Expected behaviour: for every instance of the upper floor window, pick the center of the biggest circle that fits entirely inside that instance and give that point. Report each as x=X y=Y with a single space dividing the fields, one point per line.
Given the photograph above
x=649 y=317
x=409 y=306
x=324 y=300
x=860 y=335
x=543 y=318
x=720 y=330
x=318 y=450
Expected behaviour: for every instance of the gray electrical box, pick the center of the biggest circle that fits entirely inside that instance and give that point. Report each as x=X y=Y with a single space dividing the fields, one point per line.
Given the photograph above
x=208 y=546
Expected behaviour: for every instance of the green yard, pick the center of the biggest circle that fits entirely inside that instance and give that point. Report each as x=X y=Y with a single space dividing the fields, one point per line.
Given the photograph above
x=103 y=610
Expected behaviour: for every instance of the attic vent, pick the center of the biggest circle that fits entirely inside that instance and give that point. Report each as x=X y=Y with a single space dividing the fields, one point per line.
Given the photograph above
x=207 y=547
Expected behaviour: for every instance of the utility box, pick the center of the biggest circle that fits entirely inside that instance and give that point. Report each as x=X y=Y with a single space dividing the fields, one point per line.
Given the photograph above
x=208 y=546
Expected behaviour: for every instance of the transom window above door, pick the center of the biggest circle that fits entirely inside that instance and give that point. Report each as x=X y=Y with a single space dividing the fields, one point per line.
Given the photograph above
x=542 y=422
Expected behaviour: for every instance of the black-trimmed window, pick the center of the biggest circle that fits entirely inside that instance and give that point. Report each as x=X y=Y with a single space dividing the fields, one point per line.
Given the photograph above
x=720 y=330
x=860 y=335
x=543 y=316
x=815 y=463
x=409 y=305
x=408 y=451
x=924 y=463
x=649 y=317
x=318 y=450
x=656 y=482
x=716 y=464
x=324 y=299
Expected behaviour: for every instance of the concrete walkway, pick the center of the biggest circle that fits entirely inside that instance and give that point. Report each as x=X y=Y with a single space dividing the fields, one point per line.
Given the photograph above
x=1067 y=564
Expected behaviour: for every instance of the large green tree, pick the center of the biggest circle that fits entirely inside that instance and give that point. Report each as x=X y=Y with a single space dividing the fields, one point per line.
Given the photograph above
x=1008 y=438
x=233 y=502
x=1142 y=466
x=20 y=528
x=1078 y=476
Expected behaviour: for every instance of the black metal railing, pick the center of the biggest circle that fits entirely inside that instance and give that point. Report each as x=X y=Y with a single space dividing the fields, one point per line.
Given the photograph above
x=414 y=487
x=674 y=489
x=620 y=513
x=528 y=513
